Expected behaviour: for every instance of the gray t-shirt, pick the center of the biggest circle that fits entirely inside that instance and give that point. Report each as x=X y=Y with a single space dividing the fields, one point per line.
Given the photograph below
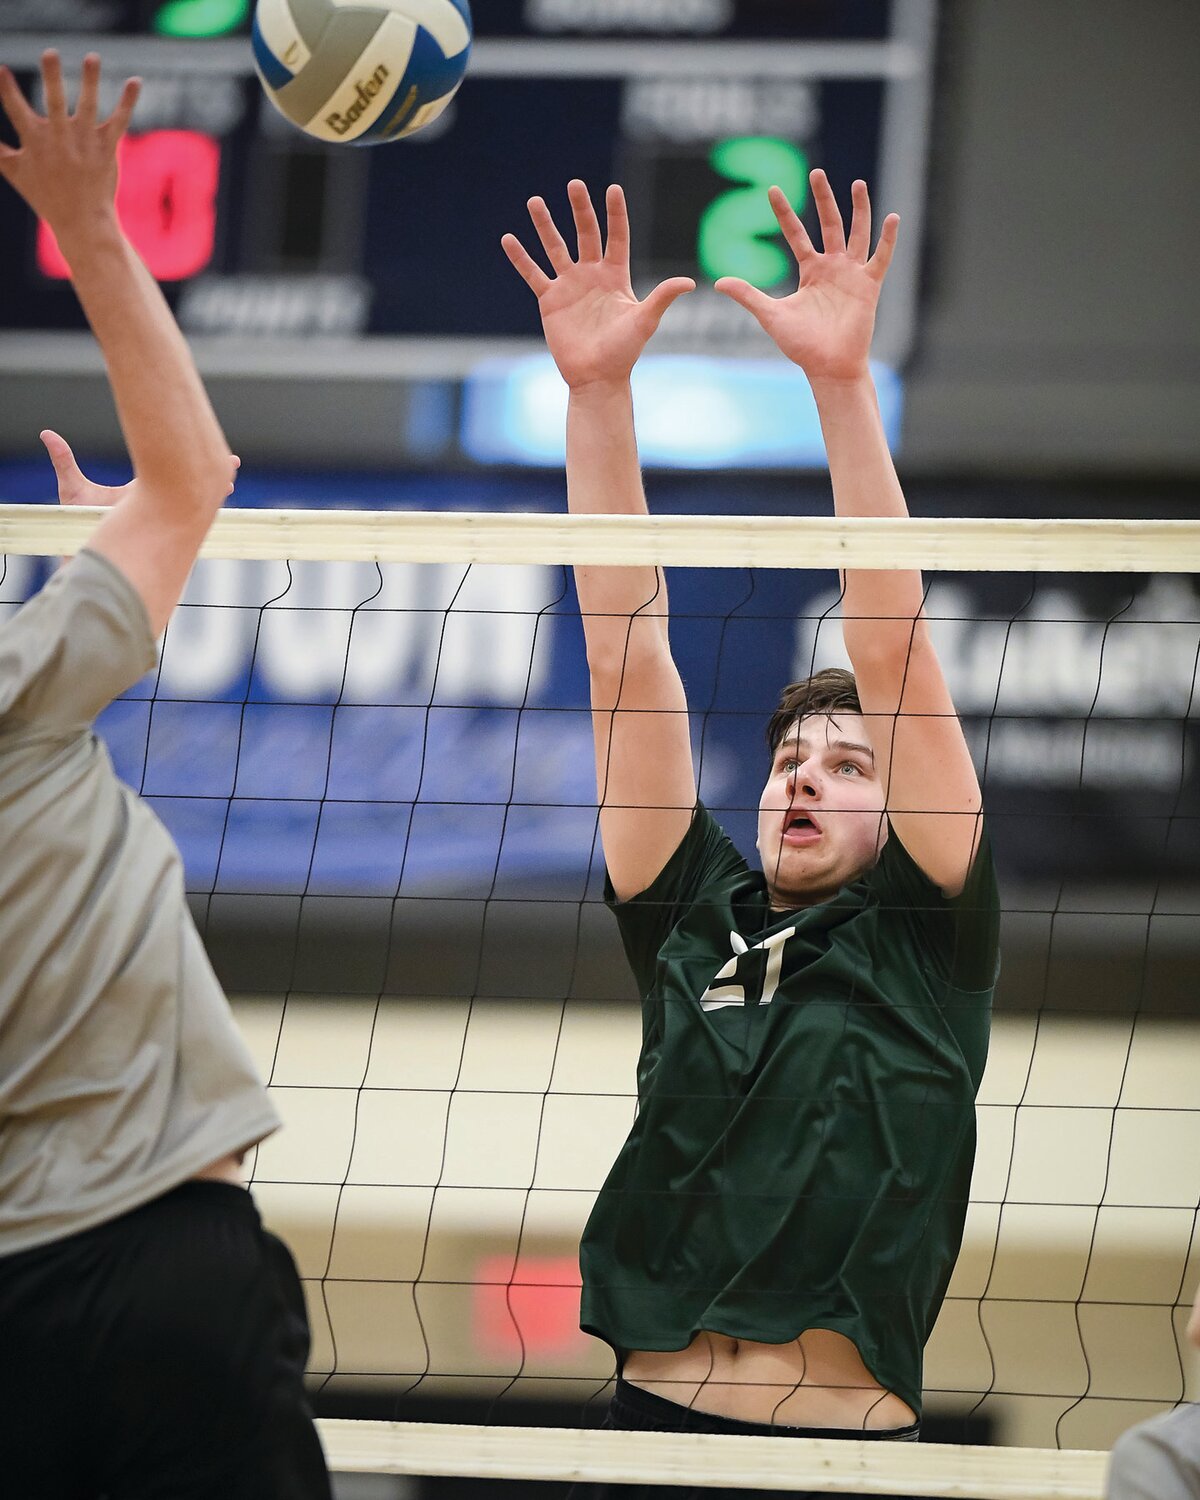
x=1158 y=1459
x=121 y=1071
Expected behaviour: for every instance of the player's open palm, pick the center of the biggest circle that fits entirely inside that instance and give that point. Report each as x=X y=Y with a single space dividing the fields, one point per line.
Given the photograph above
x=825 y=326
x=65 y=164
x=594 y=325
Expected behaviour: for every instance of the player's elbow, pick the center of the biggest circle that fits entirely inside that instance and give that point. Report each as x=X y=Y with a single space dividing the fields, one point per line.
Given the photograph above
x=194 y=484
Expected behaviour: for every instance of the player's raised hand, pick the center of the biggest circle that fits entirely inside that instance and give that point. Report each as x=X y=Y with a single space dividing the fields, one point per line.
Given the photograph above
x=75 y=488
x=65 y=165
x=825 y=326
x=594 y=325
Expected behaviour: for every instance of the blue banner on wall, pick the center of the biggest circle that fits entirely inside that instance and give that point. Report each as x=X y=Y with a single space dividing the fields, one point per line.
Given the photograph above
x=341 y=728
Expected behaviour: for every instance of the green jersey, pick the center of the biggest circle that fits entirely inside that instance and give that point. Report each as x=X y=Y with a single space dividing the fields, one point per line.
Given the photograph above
x=805 y=1134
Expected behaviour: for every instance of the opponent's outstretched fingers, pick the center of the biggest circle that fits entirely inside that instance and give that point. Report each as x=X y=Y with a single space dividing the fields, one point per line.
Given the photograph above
x=52 y=83
x=656 y=302
x=15 y=105
x=756 y=302
x=547 y=231
x=524 y=264
x=73 y=485
x=587 y=225
x=886 y=248
x=118 y=122
x=617 y=213
x=859 y=243
x=790 y=223
x=59 y=451
x=89 y=90
x=833 y=234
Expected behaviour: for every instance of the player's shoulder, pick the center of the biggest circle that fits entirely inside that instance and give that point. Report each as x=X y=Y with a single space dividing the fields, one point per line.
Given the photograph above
x=72 y=647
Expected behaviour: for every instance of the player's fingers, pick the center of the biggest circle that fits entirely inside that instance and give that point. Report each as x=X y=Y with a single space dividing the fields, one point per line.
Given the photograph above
x=587 y=225
x=859 y=243
x=89 y=90
x=617 y=213
x=754 y=301
x=886 y=248
x=68 y=473
x=15 y=105
x=60 y=452
x=794 y=231
x=524 y=264
x=118 y=122
x=547 y=231
x=52 y=82
x=657 y=302
x=237 y=464
x=833 y=236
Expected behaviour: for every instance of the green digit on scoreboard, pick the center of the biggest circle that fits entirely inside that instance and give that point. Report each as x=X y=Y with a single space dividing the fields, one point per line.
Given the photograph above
x=200 y=17
x=734 y=228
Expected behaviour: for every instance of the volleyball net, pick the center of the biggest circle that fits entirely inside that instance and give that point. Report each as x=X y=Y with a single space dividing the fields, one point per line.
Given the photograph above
x=370 y=735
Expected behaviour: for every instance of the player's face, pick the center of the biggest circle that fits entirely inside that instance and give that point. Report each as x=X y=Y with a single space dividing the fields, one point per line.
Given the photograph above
x=820 y=817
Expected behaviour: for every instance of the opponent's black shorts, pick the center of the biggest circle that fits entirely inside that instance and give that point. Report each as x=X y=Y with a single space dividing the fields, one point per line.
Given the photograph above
x=158 y=1357
x=634 y=1410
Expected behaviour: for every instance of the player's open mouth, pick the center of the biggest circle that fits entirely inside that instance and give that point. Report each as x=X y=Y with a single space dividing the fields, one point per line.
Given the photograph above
x=800 y=828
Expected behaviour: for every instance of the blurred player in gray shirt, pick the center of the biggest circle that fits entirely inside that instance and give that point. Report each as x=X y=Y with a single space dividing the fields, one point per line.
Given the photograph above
x=152 y=1335
x=1160 y=1459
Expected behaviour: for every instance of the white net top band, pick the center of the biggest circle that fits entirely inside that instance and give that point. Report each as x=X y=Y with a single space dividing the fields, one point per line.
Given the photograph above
x=973 y=544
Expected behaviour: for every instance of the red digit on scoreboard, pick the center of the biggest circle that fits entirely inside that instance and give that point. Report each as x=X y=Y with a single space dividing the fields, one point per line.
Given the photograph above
x=166 y=201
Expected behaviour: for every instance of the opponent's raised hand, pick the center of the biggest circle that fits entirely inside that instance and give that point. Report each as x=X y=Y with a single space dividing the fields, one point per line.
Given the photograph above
x=825 y=326
x=75 y=488
x=594 y=325
x=65 y=165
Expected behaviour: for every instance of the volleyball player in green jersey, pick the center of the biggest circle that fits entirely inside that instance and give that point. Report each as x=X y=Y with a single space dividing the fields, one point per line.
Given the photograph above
x=774 y=1241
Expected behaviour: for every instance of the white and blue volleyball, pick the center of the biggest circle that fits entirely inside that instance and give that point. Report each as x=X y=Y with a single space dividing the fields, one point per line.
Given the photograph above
x=359 y=72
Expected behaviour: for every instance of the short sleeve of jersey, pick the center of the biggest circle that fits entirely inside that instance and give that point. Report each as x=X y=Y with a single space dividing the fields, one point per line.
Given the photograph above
x=71 y=649
x=705 y=859
x=961 y=934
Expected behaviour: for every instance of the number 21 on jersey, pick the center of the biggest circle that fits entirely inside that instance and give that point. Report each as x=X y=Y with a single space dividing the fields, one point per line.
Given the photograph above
x=728 y=984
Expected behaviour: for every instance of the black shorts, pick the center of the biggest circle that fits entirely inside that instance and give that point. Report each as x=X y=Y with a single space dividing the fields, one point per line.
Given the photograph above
x=159 y=1356
x=635 y=1410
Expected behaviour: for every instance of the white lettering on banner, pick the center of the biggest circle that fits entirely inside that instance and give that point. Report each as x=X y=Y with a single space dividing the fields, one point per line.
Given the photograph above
x=205 y=648
x=717 y=996
x=1055 y=658
x=1098 y=755
x=335 y=630
x=494 y=635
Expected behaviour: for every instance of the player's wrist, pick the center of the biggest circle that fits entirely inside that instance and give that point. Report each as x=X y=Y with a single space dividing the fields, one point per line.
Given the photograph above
x=599 y=390
x=87 y=232
x=837 y=386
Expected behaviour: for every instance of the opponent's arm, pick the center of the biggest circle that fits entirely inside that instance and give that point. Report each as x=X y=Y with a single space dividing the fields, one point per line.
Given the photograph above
x=825 y=327
x=65 y=169
x=595 y=329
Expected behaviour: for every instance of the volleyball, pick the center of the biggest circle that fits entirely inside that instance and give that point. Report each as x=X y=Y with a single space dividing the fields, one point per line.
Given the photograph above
x=358 y=72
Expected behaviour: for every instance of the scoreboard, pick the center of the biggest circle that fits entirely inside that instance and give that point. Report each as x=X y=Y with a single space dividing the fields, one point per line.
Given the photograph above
x=696 y=106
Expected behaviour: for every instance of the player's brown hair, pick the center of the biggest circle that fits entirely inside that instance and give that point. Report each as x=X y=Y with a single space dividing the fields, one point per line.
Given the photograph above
x=829 y=692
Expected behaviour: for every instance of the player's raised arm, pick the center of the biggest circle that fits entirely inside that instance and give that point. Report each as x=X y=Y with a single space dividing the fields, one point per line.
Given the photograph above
x=596 y=329
x=825 y=327
x=65 y=168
